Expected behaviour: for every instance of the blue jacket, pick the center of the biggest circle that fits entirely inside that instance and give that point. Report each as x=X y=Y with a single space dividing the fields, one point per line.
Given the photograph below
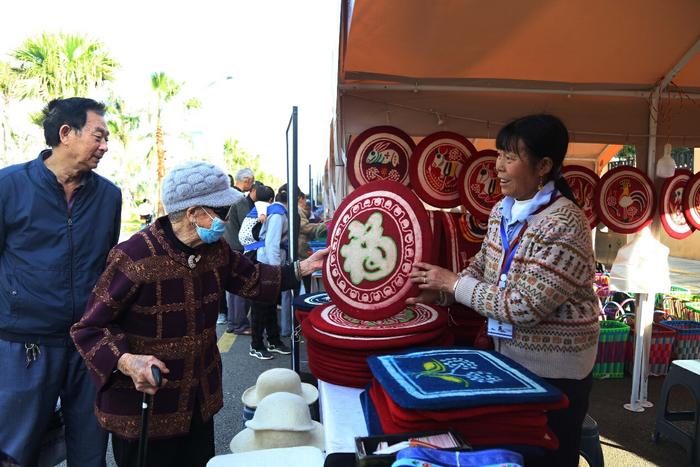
x=50 y=259
x=274 y=236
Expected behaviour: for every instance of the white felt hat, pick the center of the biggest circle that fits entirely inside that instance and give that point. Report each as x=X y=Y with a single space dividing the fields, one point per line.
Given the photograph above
x=281 y=420
x=278 y=380
x=301 y=456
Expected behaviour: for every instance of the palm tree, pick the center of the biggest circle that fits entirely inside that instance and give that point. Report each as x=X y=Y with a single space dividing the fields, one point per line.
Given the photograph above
x=51 y=66
x=165 y=88
x=7 y=85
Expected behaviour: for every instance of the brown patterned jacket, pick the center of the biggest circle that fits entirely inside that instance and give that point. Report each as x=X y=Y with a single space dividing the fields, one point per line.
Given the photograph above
x=149 y=301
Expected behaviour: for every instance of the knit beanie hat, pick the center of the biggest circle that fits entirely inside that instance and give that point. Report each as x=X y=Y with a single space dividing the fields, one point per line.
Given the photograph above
x=197 y=183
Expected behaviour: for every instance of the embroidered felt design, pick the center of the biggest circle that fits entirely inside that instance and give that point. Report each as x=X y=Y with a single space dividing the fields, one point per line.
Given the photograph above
x=379 y=153
x=480 y=189
x=379 y=231
x=671 y=205
x=625 y=200
x=459 y=378
x=583 y=183
x=368 y=255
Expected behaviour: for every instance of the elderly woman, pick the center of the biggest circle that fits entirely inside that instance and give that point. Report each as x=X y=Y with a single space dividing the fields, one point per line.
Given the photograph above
x=533 y=276
x=156 y=304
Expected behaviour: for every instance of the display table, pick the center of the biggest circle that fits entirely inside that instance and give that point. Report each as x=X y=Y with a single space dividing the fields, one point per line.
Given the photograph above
x=341 y=415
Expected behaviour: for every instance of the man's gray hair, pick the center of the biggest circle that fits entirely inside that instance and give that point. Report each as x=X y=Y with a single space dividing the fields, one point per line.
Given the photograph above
x=244 y=174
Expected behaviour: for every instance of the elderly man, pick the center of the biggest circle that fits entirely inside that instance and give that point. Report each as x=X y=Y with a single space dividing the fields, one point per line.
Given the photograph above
x=156 y=304
x=58 y=221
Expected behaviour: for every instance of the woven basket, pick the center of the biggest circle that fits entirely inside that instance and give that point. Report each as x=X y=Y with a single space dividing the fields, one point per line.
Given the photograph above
x=662 y=339
x=612 y=347
x=686 y=345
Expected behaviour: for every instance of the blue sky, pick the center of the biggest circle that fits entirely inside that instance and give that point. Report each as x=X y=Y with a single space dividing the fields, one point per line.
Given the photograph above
x=278 y=53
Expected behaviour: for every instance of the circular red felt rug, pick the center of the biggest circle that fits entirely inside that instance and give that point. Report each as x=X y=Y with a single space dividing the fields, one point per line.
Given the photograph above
x=378 y=232
x=480 y=189
x=436 y=167
x=583 y=183
x=691 y=201
x=413 y=319
x=365 y=343
x=625 y=200
x=309 y=301
x=671 y=205
x=379 y=153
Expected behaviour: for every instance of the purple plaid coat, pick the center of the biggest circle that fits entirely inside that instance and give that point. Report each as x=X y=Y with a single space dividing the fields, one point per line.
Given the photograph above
x=150 y=301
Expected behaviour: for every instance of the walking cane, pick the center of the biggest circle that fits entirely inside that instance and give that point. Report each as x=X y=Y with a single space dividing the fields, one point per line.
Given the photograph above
x=147 y=401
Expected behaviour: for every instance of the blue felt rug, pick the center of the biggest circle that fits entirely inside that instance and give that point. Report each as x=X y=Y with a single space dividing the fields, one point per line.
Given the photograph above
x=374 y=427
x=439 y=379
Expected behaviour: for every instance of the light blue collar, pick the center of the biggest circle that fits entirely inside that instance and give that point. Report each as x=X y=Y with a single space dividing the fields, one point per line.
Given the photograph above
x=541 y=198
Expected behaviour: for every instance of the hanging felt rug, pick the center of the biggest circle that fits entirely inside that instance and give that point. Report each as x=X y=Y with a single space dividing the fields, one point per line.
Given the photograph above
x=378 y=232
x=412 y=319
x=379 y=153
x=671 y=205
x=583 y=182
x=625 y=200
x=691 y=201
x=480 y=189
x=436 y=167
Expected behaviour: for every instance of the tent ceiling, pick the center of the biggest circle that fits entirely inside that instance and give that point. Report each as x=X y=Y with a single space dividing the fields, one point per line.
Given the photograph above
x=625 y=42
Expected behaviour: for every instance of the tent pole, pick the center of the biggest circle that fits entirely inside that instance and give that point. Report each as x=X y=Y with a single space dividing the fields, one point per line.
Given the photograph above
x=645 y=315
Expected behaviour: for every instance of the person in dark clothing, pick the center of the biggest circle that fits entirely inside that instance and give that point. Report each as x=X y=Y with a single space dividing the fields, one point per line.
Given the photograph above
x=156 y=304
x=58 y=221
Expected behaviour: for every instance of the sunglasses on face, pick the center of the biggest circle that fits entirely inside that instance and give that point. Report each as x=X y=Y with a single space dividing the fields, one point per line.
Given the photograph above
x=221 y=212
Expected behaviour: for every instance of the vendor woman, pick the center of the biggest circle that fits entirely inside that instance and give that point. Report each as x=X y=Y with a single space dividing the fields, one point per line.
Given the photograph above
x=533 y=277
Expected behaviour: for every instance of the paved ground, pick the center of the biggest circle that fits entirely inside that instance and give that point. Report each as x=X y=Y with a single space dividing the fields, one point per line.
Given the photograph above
x=685 y=272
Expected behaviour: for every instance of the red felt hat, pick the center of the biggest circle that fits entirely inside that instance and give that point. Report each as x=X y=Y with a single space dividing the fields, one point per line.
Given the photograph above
x=436 y=167
x=412 y=319
x=379 y=153
x=379 y=231
x=583 y=182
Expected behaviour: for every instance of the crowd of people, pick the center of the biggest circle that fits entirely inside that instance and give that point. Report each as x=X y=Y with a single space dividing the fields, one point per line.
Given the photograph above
x=85 y=319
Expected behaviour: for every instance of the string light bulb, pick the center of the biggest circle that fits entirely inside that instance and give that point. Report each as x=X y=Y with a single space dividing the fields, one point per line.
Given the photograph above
x=440 y=121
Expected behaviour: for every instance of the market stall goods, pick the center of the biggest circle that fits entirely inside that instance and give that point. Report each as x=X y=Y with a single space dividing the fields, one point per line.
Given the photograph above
x=436 y=167
x=460 y=242
x=379 y=231
x=412 y=319
x=379 y=153
x=278 y=380
x=281 y=420
x=303 y=304
x=583 y=183
x=480 y=189
x=625 y=200
x=671 y=205
x=691 y=201
x=461 y=377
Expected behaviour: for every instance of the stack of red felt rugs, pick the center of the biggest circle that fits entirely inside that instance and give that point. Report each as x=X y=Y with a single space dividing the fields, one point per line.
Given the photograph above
x=338 y=345
x=489 y=399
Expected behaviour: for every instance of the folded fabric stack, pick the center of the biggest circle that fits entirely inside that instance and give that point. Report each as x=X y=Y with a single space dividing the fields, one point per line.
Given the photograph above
x=303 y=304
x=338 y=345
x=489 y=399
x=465 y=324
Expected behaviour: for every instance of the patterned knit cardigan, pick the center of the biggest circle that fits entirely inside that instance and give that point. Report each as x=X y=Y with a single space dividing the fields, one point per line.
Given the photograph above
x=549 y=296
x=149 y=301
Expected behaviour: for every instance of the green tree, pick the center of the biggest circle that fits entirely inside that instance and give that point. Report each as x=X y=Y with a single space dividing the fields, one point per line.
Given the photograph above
x=165 y=88
x=59 y=65
x=237 y=158
x=7 y=85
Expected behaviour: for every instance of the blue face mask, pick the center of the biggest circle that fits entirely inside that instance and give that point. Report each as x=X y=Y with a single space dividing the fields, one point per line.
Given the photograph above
x=214 y=233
